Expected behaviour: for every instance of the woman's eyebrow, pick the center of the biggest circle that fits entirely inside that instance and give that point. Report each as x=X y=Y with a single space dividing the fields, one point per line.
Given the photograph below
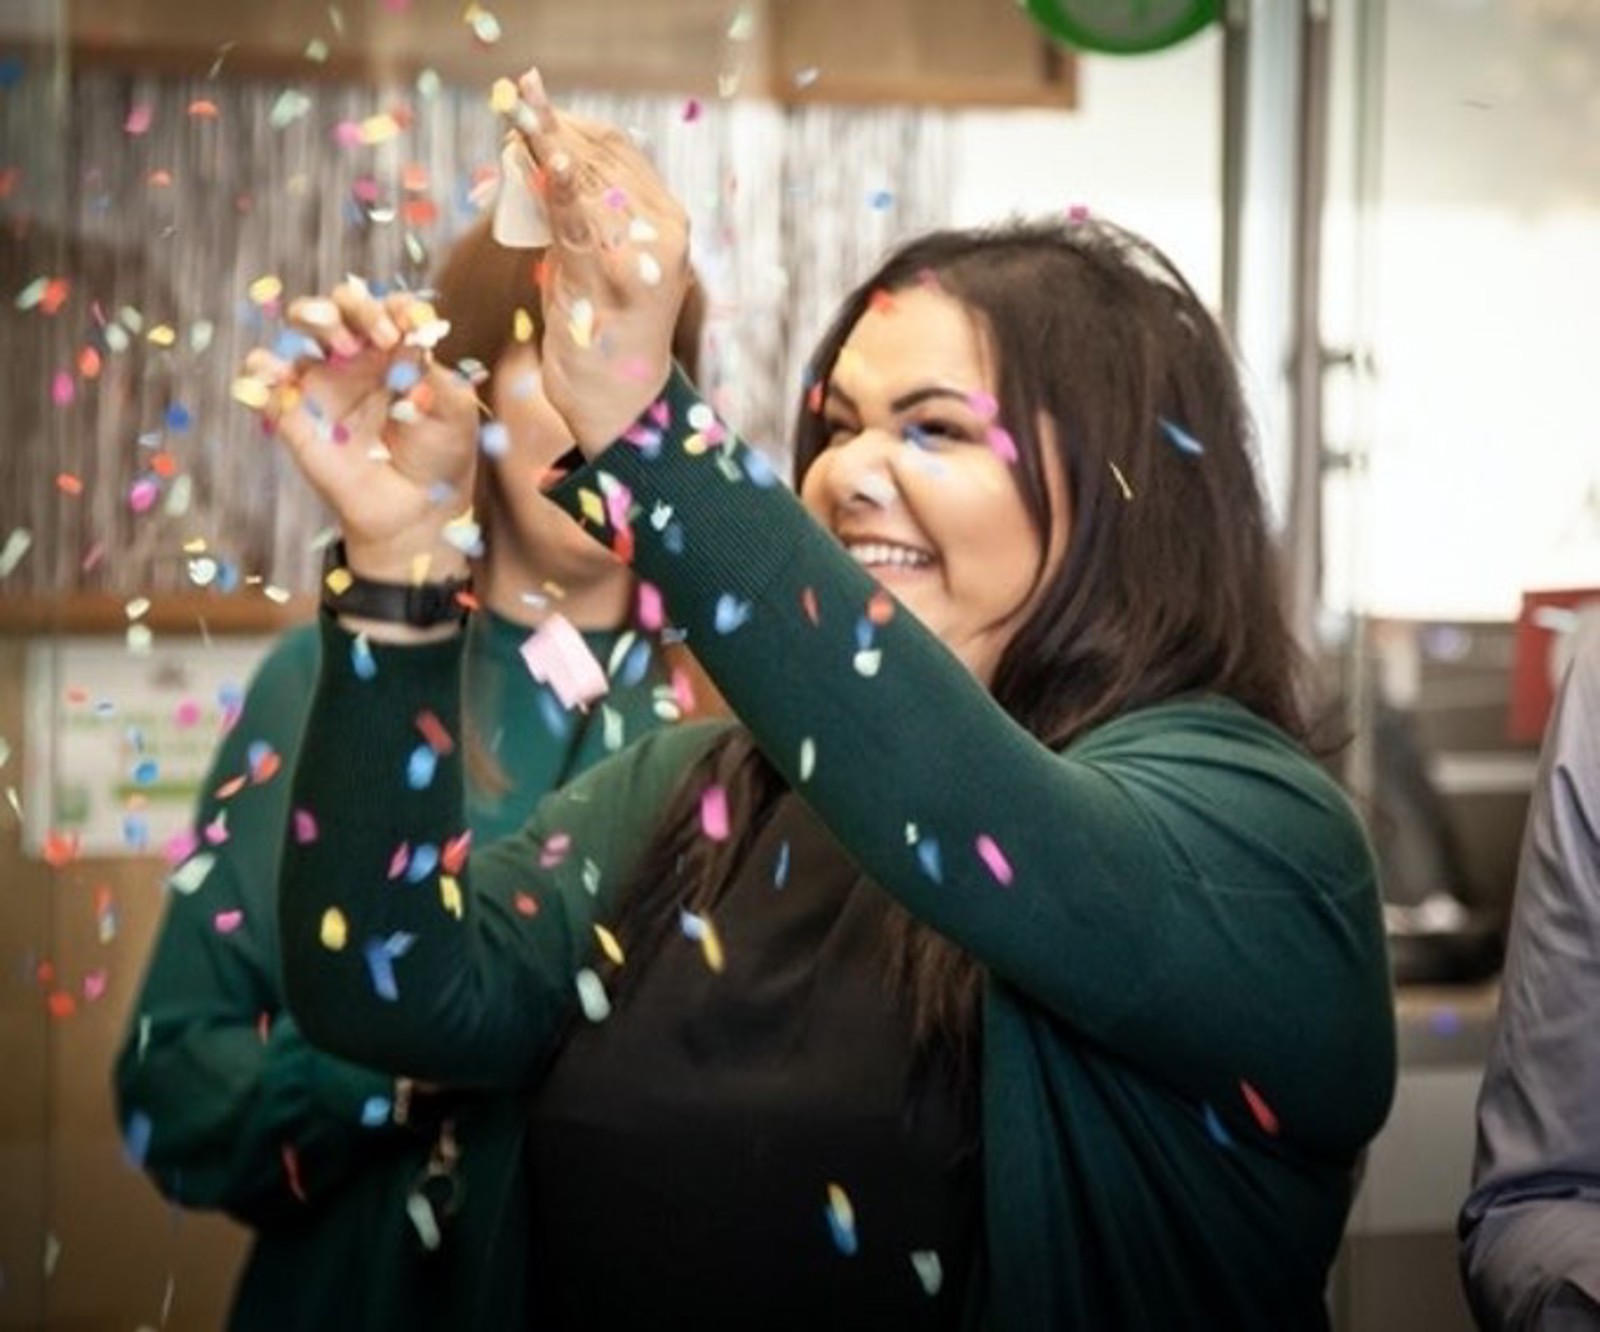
x=905 y=400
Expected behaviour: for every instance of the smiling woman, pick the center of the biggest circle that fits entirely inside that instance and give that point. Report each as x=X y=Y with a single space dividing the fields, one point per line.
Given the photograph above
x=1011 y=962
x=942 y=524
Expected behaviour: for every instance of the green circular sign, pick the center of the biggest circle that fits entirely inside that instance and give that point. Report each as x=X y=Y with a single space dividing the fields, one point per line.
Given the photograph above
x=1122 y=27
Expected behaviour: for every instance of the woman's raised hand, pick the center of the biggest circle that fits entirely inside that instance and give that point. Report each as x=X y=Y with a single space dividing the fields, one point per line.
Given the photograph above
x=617 y=270
x=386 y=436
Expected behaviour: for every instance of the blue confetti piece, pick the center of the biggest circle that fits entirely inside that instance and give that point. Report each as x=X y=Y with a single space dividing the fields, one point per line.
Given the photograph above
x=230 y=696
x=424 y=860
x=864 y=632
x=420 y=768
x=292 y=345
x=731 y=613
x=178 y=418
x=1215 y=1127
x=780 y=874
x=402 y=376
x=843 y=1232
x=145 y=771
x=1181 y=439
x=757 y=468
x=375 y=1111
x=135 y=832
x=928 y=857
x=880 y=200
x=361 y=658
x=557 y=720
x=256 y=754
x=380 y=965
x=227 y=577
x=494 y=439
x=635 y=665
x=672 y=539
x=136 y=1139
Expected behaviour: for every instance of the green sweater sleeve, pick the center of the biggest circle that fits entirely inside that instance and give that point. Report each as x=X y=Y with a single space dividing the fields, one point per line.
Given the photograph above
x=220 y=1097
x=1182 y=886
x=400 y=950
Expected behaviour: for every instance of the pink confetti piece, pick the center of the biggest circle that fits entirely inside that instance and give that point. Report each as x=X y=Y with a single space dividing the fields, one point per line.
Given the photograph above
x=714 y=813
x=142 y=495
x=983 y=404
x=554 y=850
x=691 y=111
x=990 y=853
x=556 y=655
x=216 y=832
x=228 y=921
x=652 y=613
x=186 y=714
x=180 y=846
x=399 y=860
x=305 y=827
x=94 y=985
x=1000 y=441
x=62 y=389
x=139 y=117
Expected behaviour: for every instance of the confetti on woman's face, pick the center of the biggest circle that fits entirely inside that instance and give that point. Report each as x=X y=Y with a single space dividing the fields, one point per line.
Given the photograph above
x=918 y=477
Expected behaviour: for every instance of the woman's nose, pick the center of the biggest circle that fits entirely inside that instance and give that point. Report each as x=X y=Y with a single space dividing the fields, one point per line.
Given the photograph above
x=862 y=474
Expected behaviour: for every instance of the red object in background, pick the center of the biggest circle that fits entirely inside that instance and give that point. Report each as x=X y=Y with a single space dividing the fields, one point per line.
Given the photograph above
x=1544 y=623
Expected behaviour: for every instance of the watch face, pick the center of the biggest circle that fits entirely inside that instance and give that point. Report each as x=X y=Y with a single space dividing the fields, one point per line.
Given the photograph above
x=1122 y=27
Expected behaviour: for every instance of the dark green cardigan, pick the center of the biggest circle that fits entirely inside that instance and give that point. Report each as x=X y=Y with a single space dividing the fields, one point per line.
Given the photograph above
x=227 y=1104
x=1187 y=1037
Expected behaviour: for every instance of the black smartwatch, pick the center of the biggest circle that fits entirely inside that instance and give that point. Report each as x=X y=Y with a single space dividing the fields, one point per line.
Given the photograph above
x=420 y=604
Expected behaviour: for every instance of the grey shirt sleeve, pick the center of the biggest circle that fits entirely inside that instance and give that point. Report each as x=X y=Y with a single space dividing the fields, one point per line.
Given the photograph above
x=1530 y=1229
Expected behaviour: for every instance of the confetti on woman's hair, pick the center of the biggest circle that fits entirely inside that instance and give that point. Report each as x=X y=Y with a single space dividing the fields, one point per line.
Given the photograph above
x=842 y=1221
x=714 y=813
x=1217 y=1130
x=592 y=996
x=1180 y=438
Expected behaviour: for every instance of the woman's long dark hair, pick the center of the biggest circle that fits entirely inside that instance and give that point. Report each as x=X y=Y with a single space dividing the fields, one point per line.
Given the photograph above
x=1168 y=586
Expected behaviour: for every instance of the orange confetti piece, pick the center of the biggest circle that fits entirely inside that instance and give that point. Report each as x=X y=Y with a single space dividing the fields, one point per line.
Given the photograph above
x=419 y=212
x=160 y=178
x=54 y=296
x=68 y=484
x=433 y=731
x=525 y=904
x=62 y=1004
x=808 y=603
x=881 y=301
x=1262 y=1112
x=266 y=767
x=60 y=848
x=414 y=177
x=164 y=464
x=201 y=109
x=454 y=855
x=89 y=363
x=880 y=609
x=231 y=787
x=814 y=399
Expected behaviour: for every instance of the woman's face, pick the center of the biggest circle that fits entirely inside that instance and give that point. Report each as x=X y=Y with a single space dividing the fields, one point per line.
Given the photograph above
x=530 y=536
x=916 y=479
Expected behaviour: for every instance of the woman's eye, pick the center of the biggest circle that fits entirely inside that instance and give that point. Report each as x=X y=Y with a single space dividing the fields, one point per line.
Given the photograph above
x=931 y=434
x=835 y=429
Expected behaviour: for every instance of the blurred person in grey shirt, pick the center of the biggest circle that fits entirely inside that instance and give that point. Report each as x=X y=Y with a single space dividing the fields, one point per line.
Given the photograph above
x=1530 y=1229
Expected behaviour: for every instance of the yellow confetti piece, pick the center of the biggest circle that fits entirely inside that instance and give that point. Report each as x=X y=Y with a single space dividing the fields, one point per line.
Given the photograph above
x=592 y=507
x=450 y=895
x=1122 y=481
x=581 y=325
x=379 y=129
x=335 y=932
x=339 y=581
x=695 y=445
x=163 y=335
x=266 y=290
x=250 y=391
x=522 y=326
x=502 y=96
x=608 y=944
x=711 y=946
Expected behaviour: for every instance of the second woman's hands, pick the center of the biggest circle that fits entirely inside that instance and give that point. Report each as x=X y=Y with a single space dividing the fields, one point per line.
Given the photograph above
x=616 y=275
x=384 y=434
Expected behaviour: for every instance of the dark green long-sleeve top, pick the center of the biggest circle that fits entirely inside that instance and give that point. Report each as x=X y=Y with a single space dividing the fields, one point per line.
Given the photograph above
x=1187 y=1029
x=228 y=1106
